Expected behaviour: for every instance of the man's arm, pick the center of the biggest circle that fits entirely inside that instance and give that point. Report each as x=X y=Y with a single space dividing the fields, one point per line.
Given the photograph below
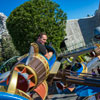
x=48 y=55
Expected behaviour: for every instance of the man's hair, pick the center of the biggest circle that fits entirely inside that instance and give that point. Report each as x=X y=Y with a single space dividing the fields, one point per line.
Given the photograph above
x=42 y=33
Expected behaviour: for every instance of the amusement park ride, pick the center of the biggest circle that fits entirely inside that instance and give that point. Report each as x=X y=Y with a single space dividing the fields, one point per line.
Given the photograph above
x=32 y=72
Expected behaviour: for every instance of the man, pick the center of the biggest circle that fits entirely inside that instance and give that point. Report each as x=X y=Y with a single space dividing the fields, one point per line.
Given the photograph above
x=42 y=39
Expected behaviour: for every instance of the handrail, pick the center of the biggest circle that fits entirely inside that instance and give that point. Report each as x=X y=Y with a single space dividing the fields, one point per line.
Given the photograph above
x=2 y=66
x=93 y=44
x=80 y=48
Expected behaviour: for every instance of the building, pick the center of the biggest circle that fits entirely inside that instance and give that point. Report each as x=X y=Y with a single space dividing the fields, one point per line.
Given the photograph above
x=80 y=32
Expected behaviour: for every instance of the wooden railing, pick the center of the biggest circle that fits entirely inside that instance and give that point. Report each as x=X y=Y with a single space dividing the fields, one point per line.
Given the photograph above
x=82 y=79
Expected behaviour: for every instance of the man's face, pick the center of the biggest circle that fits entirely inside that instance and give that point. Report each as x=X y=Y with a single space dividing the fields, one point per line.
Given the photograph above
x=43 y=39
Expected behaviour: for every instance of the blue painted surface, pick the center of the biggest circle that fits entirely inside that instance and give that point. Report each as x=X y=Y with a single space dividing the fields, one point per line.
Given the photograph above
x=52 y=60
x=97 y=31
x=92 y=62
x=8 y=96
x=79 y=70
x=4 y=77
x=84 y=91
x=3 y=83
x=24 y=60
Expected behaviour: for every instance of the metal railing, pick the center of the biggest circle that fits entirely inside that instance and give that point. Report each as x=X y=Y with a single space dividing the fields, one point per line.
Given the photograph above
x=7 y=65
x=74 y=49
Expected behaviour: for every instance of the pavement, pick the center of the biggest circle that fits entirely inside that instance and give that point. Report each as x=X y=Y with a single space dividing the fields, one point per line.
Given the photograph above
x=62 y=97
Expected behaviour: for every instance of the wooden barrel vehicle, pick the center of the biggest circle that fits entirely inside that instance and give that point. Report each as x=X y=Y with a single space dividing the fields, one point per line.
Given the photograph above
x=29 y=74
x=37 y=69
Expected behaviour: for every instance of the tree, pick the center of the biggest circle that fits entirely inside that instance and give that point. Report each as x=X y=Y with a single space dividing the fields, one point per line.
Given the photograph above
x=8 y=49
x=35 y=16
x=88 y=15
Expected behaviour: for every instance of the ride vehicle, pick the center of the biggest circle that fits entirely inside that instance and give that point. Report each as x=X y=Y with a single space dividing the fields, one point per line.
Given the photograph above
x=27 y=76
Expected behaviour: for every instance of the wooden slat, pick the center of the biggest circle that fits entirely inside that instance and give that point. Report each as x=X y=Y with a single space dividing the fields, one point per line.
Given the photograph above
x=55 y=67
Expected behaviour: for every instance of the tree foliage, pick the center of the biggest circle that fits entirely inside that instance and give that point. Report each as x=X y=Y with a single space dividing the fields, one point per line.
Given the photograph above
x=35 y=16
x=8 y=50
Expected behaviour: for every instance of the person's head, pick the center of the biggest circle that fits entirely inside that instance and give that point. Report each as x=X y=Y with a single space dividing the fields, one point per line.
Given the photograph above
x=42 y=38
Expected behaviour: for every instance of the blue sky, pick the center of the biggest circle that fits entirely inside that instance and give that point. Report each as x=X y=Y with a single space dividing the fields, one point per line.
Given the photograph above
x=74 y=8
